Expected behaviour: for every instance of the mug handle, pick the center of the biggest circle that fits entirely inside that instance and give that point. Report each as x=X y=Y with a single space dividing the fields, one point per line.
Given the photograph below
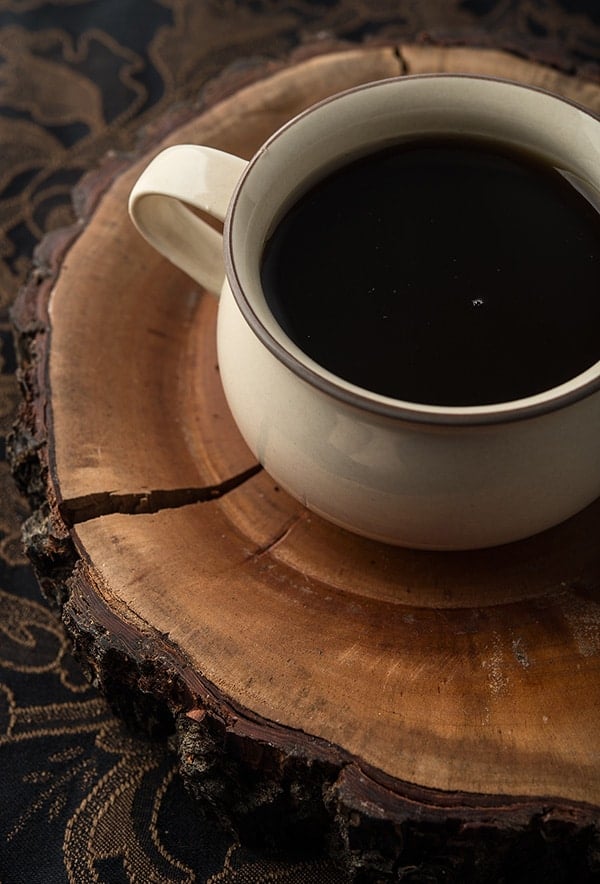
x=180 y=176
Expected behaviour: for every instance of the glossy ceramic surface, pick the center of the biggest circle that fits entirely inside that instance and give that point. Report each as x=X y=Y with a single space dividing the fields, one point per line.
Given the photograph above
x=405 y=473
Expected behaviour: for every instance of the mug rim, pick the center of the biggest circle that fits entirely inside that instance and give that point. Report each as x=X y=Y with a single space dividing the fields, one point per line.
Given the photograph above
x=360 y=397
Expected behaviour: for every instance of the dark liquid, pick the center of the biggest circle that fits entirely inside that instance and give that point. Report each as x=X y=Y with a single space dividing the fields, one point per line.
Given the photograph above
x=447 y=272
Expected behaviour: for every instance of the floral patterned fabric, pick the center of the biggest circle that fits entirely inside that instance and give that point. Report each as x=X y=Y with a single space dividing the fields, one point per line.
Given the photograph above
x=81 y=798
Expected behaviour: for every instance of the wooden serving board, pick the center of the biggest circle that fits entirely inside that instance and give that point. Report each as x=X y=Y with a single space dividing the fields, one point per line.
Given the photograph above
x=401 y=705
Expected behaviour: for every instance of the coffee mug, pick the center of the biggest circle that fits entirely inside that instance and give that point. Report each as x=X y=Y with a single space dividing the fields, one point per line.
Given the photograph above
x=403 y=469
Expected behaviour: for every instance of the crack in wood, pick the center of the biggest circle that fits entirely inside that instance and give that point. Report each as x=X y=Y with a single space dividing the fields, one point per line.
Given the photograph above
x=281 y=535
x=76 y=510
x=404 y=66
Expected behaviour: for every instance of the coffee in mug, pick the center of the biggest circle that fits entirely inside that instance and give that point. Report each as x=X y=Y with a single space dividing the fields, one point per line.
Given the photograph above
x=408 y=327
x=446 y=270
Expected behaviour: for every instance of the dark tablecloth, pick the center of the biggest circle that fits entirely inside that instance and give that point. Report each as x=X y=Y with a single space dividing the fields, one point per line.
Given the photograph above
x=82 y=799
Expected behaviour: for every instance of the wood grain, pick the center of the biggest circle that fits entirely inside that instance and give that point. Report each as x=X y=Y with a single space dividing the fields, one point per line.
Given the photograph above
x=383 y=686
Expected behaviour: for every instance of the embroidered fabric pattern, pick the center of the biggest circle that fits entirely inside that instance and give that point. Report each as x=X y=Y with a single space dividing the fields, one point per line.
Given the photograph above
x=82 y=799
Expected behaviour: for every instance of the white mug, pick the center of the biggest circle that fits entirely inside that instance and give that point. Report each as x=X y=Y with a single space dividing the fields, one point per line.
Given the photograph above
x=406 y=473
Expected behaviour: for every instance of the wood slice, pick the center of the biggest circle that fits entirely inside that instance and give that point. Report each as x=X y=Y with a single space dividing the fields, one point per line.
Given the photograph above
x=429 y=711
